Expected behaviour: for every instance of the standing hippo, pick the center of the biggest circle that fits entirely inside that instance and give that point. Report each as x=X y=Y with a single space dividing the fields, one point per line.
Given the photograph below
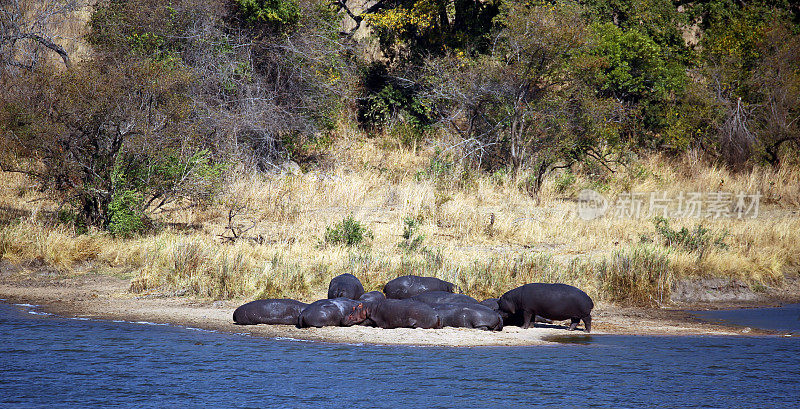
x=391 y=313
x=409 y=286
x=553 y=301
x=276 y=311
x=345 y=285
x=443 y=297
x=342 y=312
x=469 y=316
x=510 y=319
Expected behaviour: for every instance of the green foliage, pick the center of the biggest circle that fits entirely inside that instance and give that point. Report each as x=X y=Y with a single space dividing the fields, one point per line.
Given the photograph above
x=659 y=20
x=699 y=239
x=141 y=28
x=632 y=66
x=349 y=232
x=125 y=213
x=407 y=30
x=564 y=181
x=412 y=240
x=281 y=13
x=405 y=113
x=162 y=181
x=71 y=218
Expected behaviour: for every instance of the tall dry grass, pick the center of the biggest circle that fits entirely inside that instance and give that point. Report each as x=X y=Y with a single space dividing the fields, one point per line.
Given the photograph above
x=486 y=233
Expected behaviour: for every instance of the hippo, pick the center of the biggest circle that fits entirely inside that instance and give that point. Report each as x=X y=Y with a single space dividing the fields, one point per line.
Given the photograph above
x=372 y=296
x=345 y=285
x=274 y=311
x=552 y=301
x=443 y=297
x=341 y=311
x=491 y=303
x=409 y=286
x=510 y=319
x=470 y=315
x=392 y=313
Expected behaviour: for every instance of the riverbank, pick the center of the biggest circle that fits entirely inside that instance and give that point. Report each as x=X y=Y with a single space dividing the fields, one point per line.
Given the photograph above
x=106 y=297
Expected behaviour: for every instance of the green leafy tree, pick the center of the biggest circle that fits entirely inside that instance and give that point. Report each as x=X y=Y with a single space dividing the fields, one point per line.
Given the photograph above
x=73 y=131
x=521 y=106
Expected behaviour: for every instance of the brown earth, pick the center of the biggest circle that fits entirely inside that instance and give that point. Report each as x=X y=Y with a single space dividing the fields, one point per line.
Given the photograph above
x=107 y=297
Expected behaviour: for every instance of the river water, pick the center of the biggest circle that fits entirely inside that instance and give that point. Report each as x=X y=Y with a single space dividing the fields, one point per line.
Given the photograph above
x=784 y=319
x=48 y=361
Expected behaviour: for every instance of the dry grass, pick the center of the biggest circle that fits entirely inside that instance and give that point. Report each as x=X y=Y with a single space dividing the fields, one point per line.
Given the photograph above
x=482 y=232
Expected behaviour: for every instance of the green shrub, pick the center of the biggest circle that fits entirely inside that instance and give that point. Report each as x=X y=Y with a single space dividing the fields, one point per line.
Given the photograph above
x=412 y=240
x=349 y=232
x=564 y=181
x=698 y=240
x=125 y=214
x=278 y=12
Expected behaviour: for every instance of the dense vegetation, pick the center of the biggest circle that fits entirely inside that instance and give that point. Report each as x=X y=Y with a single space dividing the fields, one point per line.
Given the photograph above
x=176 y=93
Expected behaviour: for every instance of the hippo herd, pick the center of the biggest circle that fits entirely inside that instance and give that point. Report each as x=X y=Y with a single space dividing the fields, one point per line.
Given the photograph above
x=423 y=302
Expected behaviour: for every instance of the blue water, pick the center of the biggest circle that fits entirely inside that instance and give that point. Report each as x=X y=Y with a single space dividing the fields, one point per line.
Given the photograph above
x=784 y=319
x=47 y=361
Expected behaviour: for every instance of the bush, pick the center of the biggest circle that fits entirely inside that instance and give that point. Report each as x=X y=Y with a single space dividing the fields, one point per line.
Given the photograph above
x=411 y=238
x=349 y=232
x=282 y=13
x=564 y=181
x=699 y=239
x=124 y=213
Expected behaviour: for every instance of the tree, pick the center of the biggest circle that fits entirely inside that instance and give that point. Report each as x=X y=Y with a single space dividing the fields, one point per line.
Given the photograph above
x=26 y=30
x=775 y=85
x=106 y=137
x=422 y=26
x=749 y=51
x=266 y=86
x=520 y=106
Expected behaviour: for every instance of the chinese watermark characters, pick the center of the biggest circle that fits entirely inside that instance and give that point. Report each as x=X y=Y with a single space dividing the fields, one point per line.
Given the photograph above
x=700 y=205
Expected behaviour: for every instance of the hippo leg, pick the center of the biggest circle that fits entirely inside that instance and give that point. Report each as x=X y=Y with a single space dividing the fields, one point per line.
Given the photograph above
x=482 y=328
x=574 y=324
x=587 y=322
x=526 y=319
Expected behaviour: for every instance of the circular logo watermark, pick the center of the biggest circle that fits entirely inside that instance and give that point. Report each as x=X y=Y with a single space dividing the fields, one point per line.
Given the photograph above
x=591 y=205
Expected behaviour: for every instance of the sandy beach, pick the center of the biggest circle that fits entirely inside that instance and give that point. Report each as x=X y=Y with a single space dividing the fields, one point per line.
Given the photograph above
x=106 y=297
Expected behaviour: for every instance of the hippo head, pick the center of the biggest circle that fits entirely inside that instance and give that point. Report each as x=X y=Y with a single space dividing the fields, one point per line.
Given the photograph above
x=356 y=315
x=504 y=305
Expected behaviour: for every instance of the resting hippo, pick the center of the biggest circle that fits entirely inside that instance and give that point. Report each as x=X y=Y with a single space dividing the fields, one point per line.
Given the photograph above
x=391 y=313
x=469 y=316
x=409 y=286
x=372 y=296
x=553 y=301
x=510 y=319
x=283 y=311
x=443 y=297
x=345 y=285
x=342 y=312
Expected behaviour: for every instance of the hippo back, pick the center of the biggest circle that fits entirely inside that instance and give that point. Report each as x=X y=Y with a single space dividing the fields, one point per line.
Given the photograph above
x=491 y=303
x=409 y=286
x=272 y=311
x=471 y=315
x=345 y=285
x=323 y=313
x=443 y=297
x=372 y=296
x=393 y=313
